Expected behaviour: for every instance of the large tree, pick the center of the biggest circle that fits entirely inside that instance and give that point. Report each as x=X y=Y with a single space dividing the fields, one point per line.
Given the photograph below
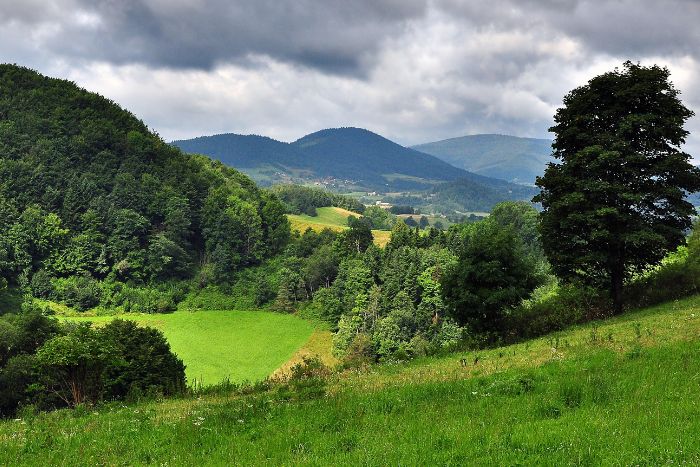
x=614 y=203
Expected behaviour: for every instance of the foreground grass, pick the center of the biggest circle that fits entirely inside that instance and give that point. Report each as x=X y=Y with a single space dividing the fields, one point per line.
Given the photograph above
x=622 y=391
x=238 y=345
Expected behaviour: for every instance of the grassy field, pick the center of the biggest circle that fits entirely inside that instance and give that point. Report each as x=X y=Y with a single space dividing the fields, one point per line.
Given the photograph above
x=239 y=345
x=335 y=219
x=618 y=392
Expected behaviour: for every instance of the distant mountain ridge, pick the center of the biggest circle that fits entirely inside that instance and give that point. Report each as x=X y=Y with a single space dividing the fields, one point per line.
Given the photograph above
x=356 y=160
x=367 y=158
x=511 y=158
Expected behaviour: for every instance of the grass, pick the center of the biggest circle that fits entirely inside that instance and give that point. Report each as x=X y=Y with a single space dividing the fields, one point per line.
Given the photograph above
x=335 y=219
x=238 y=345
x=623 y=392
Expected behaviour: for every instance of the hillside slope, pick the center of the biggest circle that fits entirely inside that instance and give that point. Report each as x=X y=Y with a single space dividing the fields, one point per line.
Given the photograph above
x=87 y=189
x=500 y=156
x=621 y=391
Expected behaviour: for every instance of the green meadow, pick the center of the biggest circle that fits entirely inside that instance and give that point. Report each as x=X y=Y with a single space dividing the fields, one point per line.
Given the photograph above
x=616 y=392
x=217 y=345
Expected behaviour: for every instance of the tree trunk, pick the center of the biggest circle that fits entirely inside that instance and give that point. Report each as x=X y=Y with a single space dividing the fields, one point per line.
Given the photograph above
x=616 y=282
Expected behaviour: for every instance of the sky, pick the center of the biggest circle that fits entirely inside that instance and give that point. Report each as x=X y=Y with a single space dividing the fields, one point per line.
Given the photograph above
x=412 y=70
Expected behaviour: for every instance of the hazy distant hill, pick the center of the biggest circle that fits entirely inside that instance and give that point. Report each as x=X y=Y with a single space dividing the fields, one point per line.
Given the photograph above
x=246 y=151
x=500 y=156
x=366 y=158
x=354 y=159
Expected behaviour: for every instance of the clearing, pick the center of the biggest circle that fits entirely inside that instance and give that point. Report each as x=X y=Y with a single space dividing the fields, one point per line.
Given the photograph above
x=335 y=219
x=215 y=345
x=617 y=392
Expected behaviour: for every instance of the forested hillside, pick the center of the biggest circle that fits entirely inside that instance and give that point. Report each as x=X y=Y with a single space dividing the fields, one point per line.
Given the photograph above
x=88 y=193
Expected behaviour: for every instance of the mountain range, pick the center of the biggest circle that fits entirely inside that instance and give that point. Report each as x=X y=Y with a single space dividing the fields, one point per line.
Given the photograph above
x=355 y=159
x=511 y=158
x=352 y=155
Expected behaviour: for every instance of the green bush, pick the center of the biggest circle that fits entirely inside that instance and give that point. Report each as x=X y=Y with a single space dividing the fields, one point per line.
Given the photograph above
x=81 y=292
x=554 y=307
x=41 y=285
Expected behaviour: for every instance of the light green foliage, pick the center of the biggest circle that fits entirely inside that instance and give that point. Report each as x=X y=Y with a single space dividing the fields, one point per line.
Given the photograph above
x=380 y=219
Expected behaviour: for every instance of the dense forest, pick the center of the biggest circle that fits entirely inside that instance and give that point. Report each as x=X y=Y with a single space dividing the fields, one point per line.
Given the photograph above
x=88 y=193
x=305 y=200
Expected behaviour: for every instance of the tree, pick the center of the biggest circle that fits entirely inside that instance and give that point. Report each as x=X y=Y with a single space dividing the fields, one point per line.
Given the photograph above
x=74 y=363
x=614 y=204
x=492 y=273
x=423 y=222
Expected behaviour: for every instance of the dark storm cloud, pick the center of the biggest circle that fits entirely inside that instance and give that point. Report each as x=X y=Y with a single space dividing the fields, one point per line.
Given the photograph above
x=331 y=35
x=634 y=28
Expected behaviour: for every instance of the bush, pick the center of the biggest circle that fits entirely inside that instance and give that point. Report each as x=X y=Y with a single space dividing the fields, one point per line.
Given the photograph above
x=359 y=353
x=81 y=292
x=146 y=367
x=41 y=285
x=554 y=307
x=307 y=380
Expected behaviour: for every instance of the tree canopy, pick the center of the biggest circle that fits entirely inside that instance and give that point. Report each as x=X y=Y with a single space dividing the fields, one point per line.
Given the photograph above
x=614 y=202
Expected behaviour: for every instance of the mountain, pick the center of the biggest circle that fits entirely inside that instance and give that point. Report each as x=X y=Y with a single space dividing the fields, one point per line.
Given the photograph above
x=352 y=156
x=88 y=192
x=374 y=160
x=245 y=151
x=510 y=158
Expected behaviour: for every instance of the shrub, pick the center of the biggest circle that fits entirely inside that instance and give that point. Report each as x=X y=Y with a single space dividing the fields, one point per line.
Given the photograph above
x=359 y=353
x=81 y=292
x=41 y=285
x=554 y=307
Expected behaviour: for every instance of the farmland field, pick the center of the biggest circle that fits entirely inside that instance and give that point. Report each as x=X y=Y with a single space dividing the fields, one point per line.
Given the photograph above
x=239 y=345
x=332 y=218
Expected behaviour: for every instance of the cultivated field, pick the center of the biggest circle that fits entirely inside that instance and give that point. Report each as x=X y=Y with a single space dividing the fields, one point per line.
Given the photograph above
x=335 y=219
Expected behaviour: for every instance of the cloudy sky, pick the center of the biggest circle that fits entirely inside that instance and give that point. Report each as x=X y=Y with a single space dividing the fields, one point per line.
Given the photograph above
x=412 y=70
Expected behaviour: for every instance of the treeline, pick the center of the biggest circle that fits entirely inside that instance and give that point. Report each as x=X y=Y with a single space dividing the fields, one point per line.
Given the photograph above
x=305 y=200
x=46 y=365
x=87 y=191
x=425 y=292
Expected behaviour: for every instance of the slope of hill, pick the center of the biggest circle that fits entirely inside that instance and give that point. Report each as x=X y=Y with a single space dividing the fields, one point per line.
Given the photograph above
x=335 y=219
x=621 y=391
x=246 y=152
x=374 y=160
x=500 y=156
x=87 y=189
x=219 y=345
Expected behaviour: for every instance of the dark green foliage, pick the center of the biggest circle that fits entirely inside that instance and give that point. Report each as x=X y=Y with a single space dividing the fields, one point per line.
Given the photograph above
x=305 y=200
x=614 y=204
x=48 y=365
x=85 y=188
x=492 y=274
x=146 y=364
x=410 y=221
x=398 y=209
